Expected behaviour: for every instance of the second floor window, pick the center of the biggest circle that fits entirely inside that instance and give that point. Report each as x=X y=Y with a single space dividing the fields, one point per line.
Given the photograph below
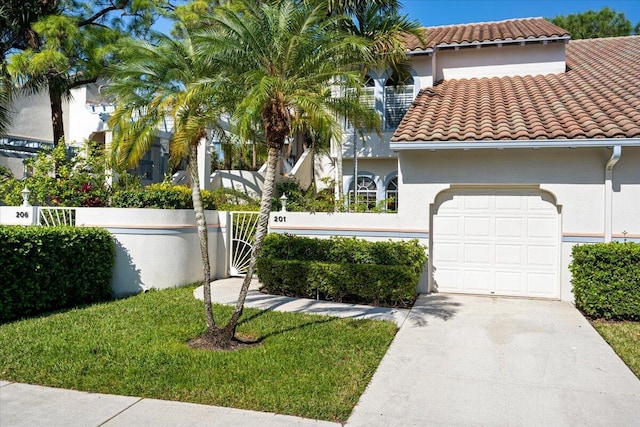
x=398 y=97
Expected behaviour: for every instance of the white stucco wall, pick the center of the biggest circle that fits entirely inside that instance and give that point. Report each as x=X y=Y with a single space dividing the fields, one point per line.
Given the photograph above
x=249 y=182
x=31 y=117
x=574 y=176
x=626 y=195
x=373 y=145
x=495 y=61
x=157 y=248
x=422 y=65
x=82 y=121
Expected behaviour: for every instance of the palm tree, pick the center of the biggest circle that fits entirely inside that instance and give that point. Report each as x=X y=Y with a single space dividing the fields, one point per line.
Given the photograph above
x=279 y=65
x=158 y=81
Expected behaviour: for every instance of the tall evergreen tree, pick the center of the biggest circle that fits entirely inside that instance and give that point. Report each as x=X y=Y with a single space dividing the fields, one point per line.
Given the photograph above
x=595 y=24
x=63 y=44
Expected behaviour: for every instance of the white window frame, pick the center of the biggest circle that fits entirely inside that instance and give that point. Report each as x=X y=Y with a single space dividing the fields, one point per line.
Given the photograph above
x=367 y=188
x=397 y=100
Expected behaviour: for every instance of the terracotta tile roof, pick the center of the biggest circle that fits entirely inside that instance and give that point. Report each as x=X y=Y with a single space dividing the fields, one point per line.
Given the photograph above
x=598 y=97
x=511 y=30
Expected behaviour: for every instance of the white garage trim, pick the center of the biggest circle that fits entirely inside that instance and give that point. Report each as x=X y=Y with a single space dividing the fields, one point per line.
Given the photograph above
x=495 y=241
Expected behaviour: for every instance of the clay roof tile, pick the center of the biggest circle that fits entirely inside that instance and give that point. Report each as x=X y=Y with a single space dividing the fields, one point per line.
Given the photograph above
x=598 y=97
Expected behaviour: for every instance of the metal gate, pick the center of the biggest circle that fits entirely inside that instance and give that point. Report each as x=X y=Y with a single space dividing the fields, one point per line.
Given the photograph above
x=243 y=227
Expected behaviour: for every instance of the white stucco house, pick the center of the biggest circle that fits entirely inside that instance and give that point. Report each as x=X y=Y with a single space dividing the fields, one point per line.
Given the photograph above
x=511 y=144
x=85 y=116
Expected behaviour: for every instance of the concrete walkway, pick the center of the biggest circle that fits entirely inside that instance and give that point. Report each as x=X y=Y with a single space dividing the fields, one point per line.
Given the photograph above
x=456 y=360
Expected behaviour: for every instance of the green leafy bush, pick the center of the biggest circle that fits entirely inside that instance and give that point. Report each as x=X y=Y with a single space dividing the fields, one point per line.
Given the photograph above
x=47 y=268
x=59 y=178
x=168 y=196
x=342 y=269
x=606 y=280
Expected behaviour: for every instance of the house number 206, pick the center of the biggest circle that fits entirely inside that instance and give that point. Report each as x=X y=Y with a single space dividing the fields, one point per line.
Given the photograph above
x=22 y=214
x=280 y=218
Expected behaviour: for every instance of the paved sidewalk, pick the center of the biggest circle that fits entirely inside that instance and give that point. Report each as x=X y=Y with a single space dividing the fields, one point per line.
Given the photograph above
x=225 y=291
x=456 y=360
x=23 y=405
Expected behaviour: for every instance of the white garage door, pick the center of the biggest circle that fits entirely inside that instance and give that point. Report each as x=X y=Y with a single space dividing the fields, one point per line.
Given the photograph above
x=498 y=242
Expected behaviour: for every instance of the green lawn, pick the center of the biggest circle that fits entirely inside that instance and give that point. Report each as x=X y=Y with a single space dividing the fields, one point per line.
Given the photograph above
x=624 y=338
x=307 y=365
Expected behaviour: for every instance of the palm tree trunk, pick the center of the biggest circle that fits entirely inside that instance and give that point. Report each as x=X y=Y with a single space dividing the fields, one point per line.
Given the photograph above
x=202 y=233
x=254 y=157
x=355 y=171
x=339 y=178
x=55 y=100
x=261 y=232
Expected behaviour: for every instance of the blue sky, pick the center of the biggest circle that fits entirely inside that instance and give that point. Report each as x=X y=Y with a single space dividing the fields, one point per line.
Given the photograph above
x=437 y=12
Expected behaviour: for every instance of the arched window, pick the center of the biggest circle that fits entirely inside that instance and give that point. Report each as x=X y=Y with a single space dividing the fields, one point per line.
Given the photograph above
x=366 y=193
x=398 y=97
x=369 y=95
x=391 y=194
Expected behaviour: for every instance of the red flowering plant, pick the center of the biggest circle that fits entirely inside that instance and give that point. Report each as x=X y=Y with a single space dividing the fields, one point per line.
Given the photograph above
x=62 y=177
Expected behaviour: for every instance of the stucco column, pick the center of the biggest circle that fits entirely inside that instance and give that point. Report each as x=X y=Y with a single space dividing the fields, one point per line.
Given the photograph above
x=204 y=164
x=608 y=192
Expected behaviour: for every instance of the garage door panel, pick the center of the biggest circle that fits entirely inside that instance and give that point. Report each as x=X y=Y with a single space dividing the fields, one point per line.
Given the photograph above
x=452 y=278
x=477 y=253
x=477 y=226
x=505 y=242
x=476 y=204
x=448 y=252
x=510 y=227
x=511 y=255
x=541 y=284
x=477 y=281
x=508 y=203
x=448 y=225
x=509 y=282
x=544 y=256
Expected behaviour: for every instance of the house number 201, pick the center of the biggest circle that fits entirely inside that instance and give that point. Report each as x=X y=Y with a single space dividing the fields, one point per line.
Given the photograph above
x=280 y=218
x=22 y=214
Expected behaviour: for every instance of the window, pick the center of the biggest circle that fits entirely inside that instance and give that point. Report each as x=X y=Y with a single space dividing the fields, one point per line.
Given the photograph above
x=367 y=97
x=397 y=100
x=391 y=195
x=369 y=92
x=366 y=192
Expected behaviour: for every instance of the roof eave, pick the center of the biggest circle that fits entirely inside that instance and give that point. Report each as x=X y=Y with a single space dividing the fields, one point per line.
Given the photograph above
x=502 y=144
x=441 y=46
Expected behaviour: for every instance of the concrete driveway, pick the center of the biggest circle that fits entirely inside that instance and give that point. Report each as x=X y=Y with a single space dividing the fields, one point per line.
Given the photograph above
x=468 y=360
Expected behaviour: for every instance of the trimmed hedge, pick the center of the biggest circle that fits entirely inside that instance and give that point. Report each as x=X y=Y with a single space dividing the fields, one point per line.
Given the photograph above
x=168 y=196
x=606 y=280
x=48 y=268
x=380 y=273
x=160 y=196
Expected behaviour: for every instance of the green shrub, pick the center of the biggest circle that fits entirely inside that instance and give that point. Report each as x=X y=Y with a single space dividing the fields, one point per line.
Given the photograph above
x=606 y=280
x=78 y=181
x=47 y=268
x=168 y=196
x=339 y=269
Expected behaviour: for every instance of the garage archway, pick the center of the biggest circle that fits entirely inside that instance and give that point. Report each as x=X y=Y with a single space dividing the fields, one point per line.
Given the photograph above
x=496 y=241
